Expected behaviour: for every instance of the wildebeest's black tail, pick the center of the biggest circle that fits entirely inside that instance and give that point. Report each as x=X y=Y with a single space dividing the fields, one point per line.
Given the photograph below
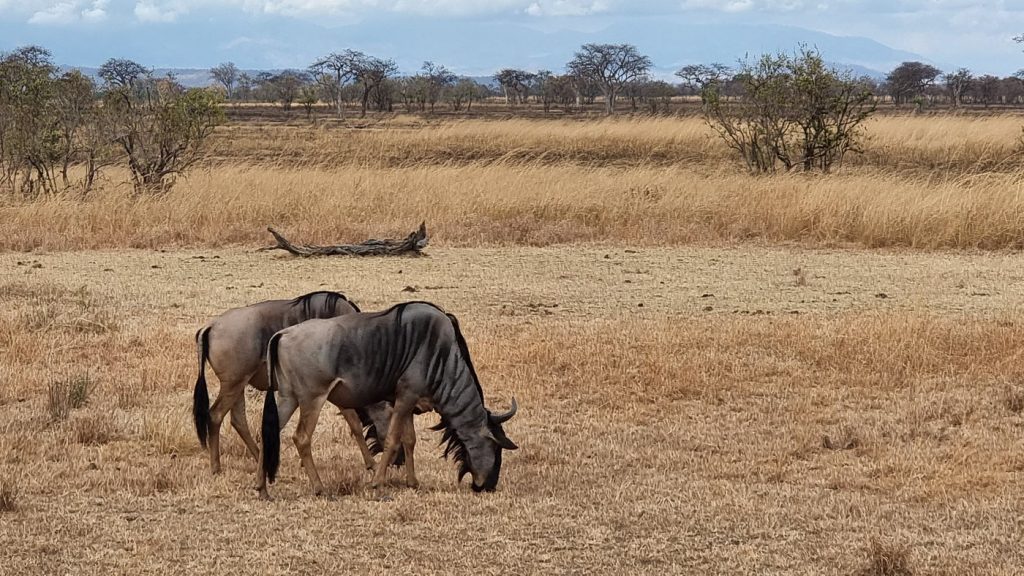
x=271 y=428
x=200 y=396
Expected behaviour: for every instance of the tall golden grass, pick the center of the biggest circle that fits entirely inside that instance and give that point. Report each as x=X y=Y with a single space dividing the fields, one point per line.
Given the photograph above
x=943 y=182
x=905 y=143
x=533 y=205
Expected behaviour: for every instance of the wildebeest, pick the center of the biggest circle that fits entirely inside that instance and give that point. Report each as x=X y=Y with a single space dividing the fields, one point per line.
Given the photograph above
x=234 y=344
x=408 y=354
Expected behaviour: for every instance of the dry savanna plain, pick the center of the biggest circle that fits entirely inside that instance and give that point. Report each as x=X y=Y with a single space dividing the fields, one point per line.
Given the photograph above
x=717 y=373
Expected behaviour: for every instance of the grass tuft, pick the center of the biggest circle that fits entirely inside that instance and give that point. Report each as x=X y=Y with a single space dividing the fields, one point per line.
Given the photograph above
x=67 y=394
x=886 y=559
x=8 y=495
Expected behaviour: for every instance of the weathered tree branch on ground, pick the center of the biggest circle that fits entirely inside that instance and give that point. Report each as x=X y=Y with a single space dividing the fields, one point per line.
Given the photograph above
x=412 y=244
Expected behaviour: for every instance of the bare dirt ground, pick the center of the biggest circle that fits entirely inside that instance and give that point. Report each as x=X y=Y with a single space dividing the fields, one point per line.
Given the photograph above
x=722 y=410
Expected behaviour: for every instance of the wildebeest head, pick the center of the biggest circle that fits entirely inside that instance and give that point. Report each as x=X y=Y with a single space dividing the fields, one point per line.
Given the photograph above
x=485 y=464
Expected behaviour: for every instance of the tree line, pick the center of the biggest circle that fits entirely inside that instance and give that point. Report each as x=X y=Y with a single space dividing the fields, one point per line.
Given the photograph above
x=611 y=72
x=783 y=111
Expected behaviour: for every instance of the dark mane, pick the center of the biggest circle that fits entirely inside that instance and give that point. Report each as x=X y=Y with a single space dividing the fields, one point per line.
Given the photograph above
x=330 y=302
x=464 y=350
x=403 y=305
x=455 y=448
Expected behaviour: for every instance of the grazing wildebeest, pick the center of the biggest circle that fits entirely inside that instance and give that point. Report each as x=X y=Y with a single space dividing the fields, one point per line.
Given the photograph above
x=234 y=344
x=411 y=353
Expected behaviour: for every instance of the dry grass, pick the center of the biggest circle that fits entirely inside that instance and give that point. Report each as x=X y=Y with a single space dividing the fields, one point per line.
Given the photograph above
x=922 y=145
x=886 y=559
x=8 y=495
x=730 y=407
x=947 y=182
x=654 y=438
x=67 y=394
x=471 y=206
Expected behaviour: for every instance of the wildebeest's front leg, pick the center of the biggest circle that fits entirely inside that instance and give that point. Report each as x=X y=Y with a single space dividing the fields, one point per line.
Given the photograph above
x=409 y=444
x=355 y=426
x=401 y=415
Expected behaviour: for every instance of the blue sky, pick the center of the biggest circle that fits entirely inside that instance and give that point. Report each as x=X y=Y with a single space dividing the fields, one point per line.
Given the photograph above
x=290 y=33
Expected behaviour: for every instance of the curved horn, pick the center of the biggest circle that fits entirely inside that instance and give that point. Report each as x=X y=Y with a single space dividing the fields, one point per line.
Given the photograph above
x=504 y=417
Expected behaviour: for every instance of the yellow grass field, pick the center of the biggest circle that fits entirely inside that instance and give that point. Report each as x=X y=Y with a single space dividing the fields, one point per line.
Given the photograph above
x=716 y=373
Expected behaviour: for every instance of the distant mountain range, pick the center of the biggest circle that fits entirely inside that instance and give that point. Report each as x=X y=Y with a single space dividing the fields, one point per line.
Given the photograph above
x=468 y=48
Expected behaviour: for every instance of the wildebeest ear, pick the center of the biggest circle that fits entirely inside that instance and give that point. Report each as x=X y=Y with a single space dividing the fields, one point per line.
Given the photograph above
x=498 y=435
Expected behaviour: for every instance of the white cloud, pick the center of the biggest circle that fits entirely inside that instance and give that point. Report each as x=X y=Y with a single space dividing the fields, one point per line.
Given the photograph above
x=60 y=13
x=69 y=12
x=97 y=12
x=149 y=11
x=567 y=8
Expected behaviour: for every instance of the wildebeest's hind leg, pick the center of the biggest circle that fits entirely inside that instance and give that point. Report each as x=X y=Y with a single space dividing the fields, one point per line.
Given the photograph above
x=355 y=426
x=241 y=425
x=226 y=400
x=409 y=445
x=401 y=414
x=309 y=412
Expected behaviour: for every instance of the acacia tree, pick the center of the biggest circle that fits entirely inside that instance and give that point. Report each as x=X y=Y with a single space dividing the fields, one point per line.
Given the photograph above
x=121 y=73
x=436 y=79
x=226 y=75
x=703 y=78
x=464 y=93
x=910 y=80
x=333 y=72
x=611 y=67
x=986 y=90
x=957 y=84
x=160 y=126
x=287 y=86
x=793 y=110
x=372 y=73
x=515 y=85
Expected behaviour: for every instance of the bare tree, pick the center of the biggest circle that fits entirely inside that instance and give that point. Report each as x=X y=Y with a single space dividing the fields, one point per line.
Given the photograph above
x=611 y=67
x=226 y=75
x=333 y=72
x=246 y=84
x=464 y=93
x=957 y=84
x=703 y=78
x=371 y=73
x=437 y=78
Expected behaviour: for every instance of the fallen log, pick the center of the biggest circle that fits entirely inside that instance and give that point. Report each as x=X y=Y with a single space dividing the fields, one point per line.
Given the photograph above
x=412 y=244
